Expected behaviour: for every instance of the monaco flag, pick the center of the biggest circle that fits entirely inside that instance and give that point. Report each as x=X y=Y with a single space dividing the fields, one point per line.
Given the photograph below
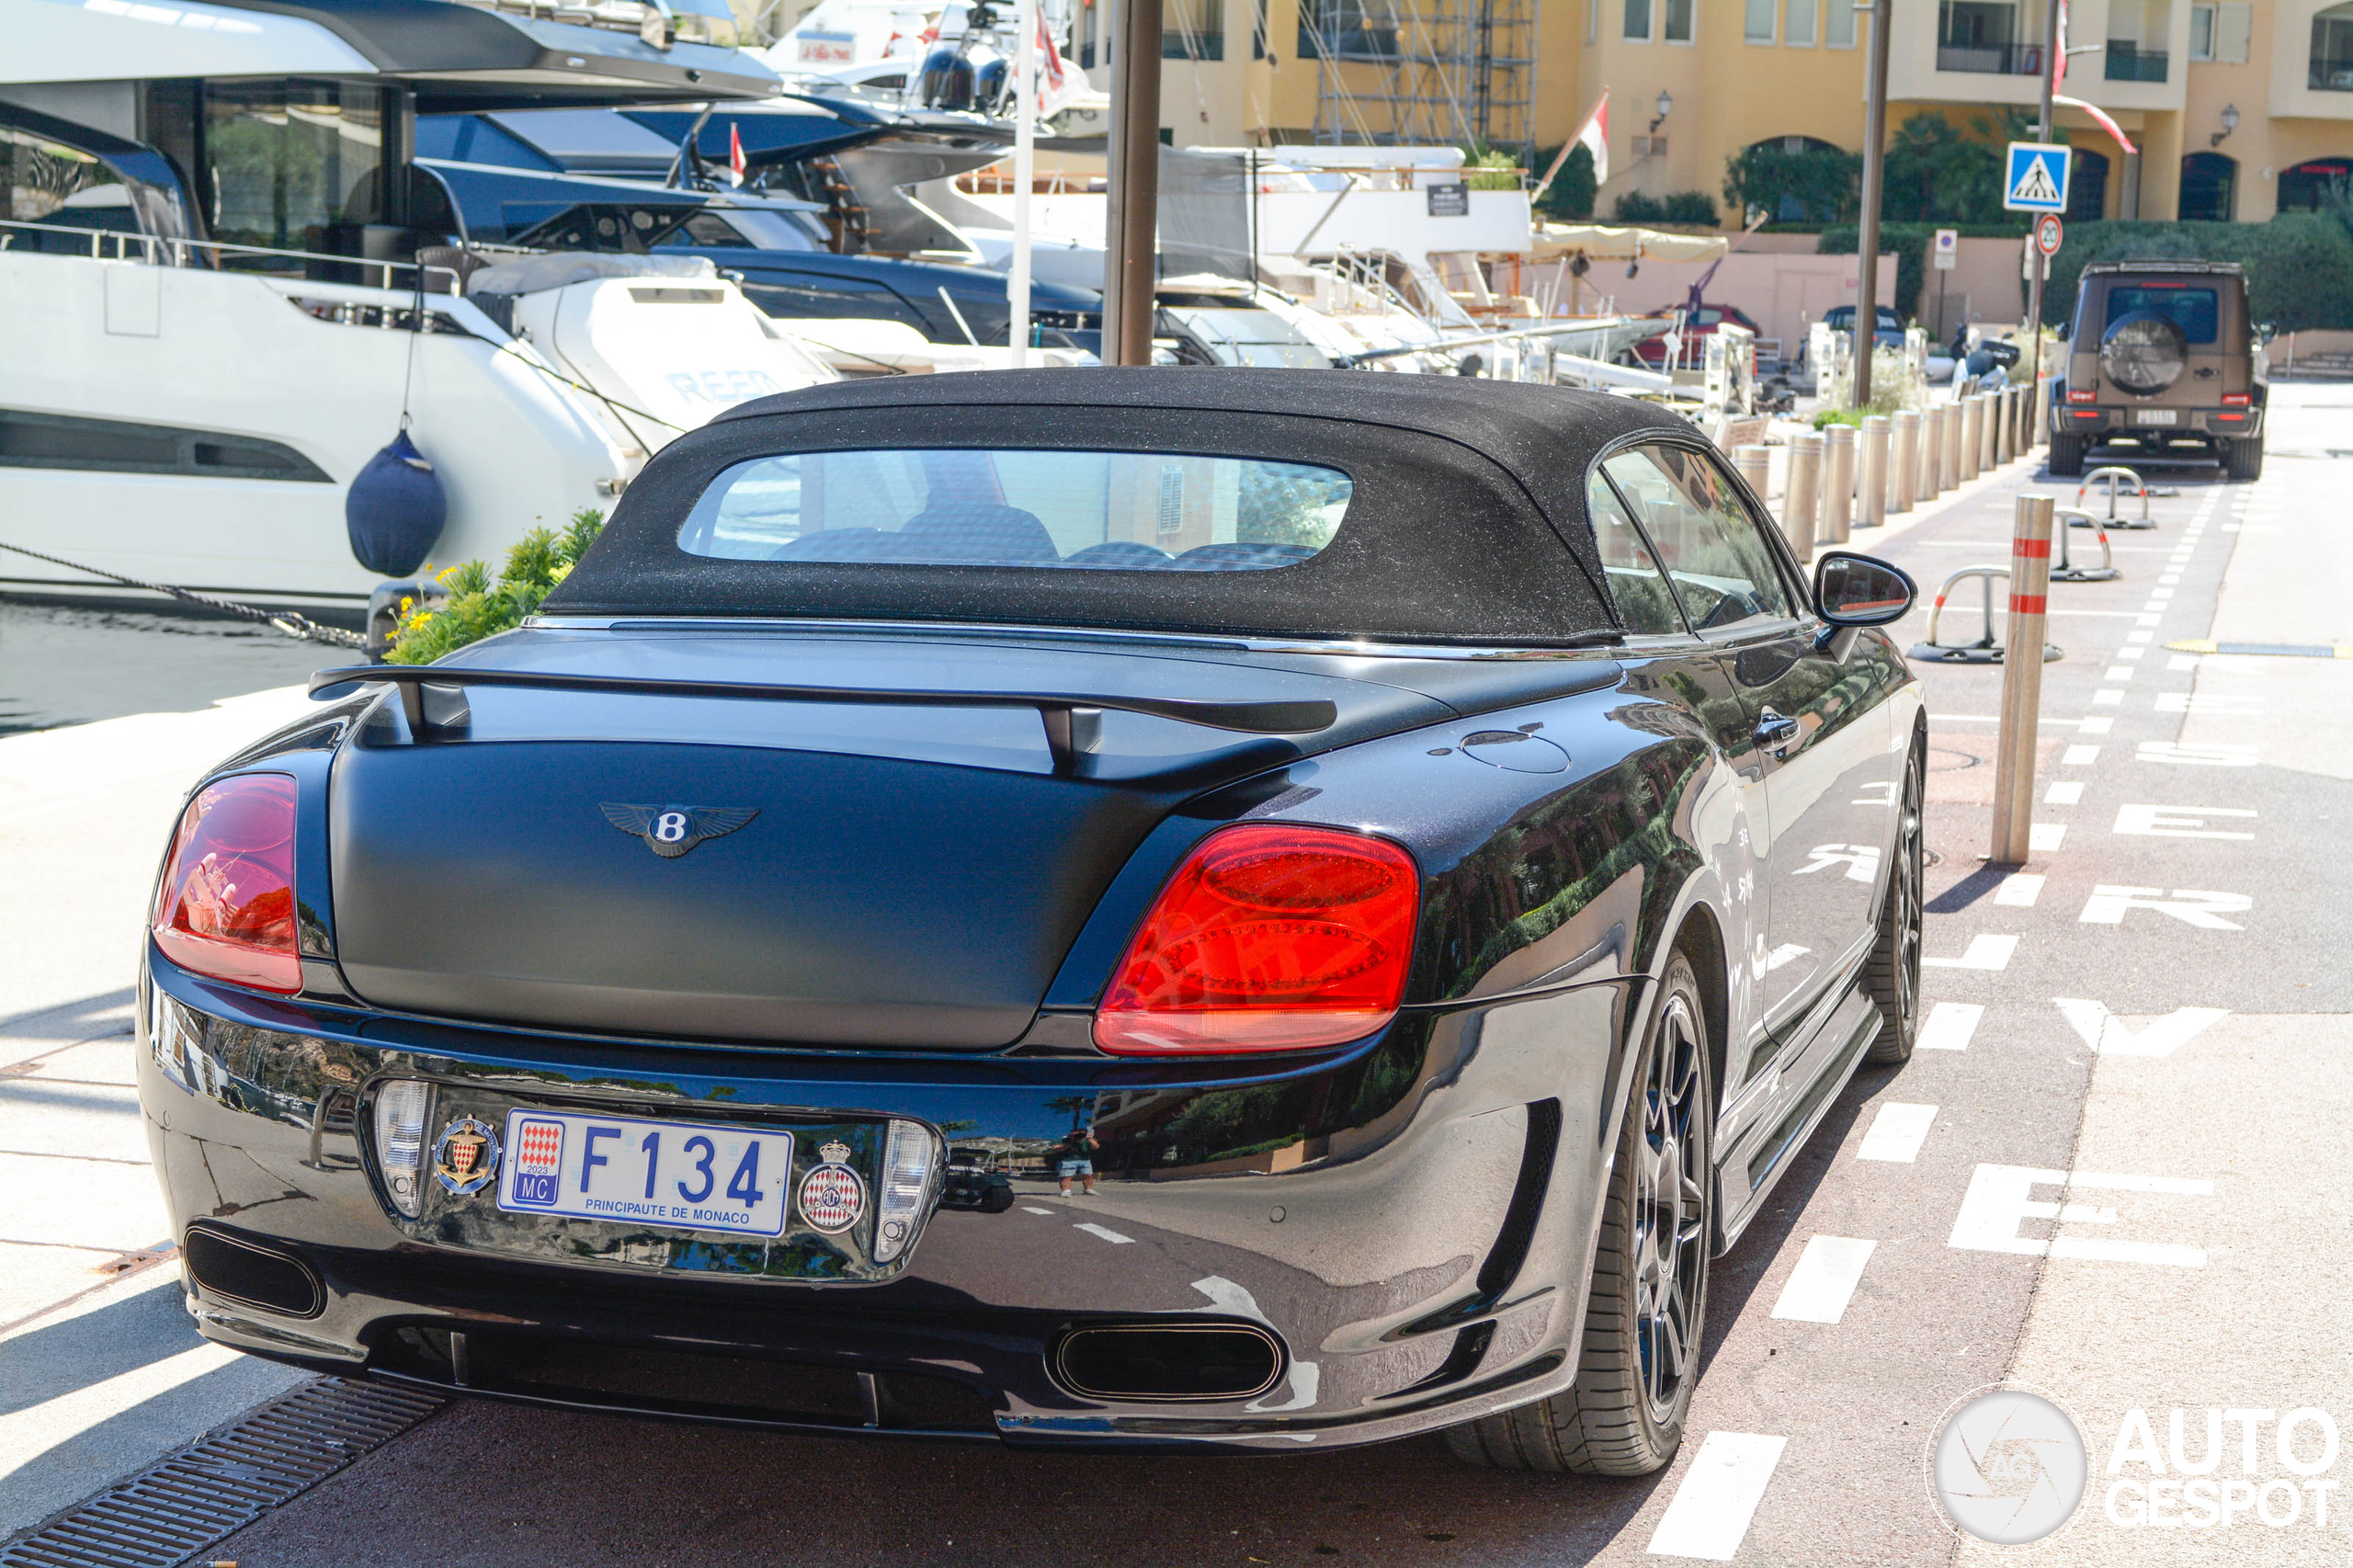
x=1594 y=136
x=735 y=151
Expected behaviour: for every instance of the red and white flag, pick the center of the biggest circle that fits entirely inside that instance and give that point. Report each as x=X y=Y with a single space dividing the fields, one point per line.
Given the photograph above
x=2059 y=80
x=735 y=150
x=1594 y=136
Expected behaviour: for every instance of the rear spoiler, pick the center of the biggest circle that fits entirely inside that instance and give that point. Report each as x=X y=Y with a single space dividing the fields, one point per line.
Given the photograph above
x=1069 y=717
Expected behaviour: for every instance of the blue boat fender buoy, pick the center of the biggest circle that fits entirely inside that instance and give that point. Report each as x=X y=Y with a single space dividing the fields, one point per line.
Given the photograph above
x=394 y=510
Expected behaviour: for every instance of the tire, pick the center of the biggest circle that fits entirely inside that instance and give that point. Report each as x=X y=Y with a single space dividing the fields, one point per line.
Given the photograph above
x=1891 y=978
x=2066 y=459
x=2242 y=458
x=1645 y=1315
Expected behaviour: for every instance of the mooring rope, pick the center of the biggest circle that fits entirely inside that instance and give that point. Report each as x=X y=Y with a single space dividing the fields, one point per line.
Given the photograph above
x=286 y=620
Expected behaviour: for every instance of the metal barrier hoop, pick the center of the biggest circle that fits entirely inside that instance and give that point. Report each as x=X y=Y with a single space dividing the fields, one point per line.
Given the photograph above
x=2116 y=474
x=2067 y=571
x=1987 y=648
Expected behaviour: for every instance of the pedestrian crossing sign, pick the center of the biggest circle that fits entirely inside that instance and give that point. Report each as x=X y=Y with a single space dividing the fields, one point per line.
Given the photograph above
x=2037 y=180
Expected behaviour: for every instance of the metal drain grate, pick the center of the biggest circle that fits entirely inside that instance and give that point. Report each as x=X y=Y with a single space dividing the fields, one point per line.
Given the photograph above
x=225 y=1480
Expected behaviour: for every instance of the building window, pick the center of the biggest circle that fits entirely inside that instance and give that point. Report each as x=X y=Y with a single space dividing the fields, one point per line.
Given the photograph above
x=1840 y=32
x=1988 y=38
x=2136 y=39
x=1337 y=30
x=1592 y=21
x=1756 y=25
x=2332 y=58
x=2087 y=186
x=1798 y=30
x=1194 y=29
x=1638 y=20
x=1679 y=15
x=2208 y=182
x=2222 y=32
x=2304 y=187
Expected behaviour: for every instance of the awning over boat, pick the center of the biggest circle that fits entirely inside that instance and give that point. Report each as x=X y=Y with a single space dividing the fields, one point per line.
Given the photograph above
x=1601 y=242
x=454 y=56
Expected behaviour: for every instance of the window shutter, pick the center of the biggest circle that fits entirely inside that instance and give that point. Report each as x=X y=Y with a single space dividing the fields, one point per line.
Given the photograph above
x=2233 y=27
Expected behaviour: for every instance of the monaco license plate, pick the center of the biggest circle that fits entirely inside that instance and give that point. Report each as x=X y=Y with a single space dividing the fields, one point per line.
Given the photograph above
x=677 y=1175
x=2157 y=416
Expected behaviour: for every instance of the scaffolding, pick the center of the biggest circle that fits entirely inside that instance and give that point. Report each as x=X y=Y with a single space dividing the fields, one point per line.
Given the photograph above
x=1448 y=72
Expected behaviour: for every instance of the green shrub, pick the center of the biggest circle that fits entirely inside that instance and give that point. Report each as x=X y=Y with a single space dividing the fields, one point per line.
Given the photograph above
x=1692 y=207
x=2299 y=266
x=1569 y=198
x=1491 y=168
x=477 y=608
x=1817 y=184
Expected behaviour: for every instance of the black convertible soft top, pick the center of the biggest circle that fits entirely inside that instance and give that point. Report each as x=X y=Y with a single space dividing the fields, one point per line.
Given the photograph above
x=1468 y=522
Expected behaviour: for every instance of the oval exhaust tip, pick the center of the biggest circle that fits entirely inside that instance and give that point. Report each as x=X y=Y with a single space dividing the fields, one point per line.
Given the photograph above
x=248 y=1274
x=1164 y=1362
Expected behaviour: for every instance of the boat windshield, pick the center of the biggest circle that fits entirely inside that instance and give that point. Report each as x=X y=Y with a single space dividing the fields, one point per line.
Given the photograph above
x=1117 y=511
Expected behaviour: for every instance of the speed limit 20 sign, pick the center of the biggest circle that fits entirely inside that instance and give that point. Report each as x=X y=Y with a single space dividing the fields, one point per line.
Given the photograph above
x=2048 y=232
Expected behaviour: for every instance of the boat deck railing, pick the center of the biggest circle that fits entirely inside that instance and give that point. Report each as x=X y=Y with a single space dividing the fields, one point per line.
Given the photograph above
x=156 y=250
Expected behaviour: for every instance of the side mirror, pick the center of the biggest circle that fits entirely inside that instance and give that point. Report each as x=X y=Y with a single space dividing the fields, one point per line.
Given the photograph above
x=1860 y=590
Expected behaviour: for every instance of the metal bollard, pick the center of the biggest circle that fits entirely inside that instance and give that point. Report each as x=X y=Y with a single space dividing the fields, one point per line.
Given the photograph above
x=2005 y=404
x=1754 y=464
x=2013 y=758
x=2042 y=432
x=1903 y=484
x=1932 y=452
x=1803 y=499
x=1871 y=479
x=1838 y=486
x=1989 y=416
x=1972 y=432
x=1948 y=463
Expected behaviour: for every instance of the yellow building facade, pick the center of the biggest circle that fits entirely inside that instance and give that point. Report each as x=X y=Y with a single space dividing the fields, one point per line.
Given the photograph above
x=2237 y=108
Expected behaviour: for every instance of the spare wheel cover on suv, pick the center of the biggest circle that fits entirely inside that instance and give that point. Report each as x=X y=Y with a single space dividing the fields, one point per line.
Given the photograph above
x=2143 y=353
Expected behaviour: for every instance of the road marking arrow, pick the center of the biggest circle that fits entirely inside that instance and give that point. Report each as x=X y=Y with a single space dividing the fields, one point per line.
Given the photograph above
x=2106 y=1033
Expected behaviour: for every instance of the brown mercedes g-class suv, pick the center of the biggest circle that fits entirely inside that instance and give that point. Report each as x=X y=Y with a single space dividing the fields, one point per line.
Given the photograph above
x=2163 y=356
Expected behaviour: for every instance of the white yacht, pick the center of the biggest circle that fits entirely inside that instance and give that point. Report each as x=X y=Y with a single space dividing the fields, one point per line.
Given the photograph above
x=221 y=294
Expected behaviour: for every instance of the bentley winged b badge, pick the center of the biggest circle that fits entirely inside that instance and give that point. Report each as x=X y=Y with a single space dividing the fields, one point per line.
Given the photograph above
x=671 y=831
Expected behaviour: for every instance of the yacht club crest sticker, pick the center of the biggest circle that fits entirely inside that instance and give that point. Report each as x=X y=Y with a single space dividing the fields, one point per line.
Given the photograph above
x=832 y=1195
x=467 y=1157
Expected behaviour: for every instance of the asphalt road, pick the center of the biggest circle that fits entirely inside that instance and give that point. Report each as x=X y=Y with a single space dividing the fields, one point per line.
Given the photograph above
x=2113 y=1174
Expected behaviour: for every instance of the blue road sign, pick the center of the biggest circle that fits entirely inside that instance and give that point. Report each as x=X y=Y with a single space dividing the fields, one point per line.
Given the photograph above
x=2037 y=178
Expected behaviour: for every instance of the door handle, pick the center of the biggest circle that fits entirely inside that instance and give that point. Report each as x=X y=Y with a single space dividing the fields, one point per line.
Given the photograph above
x=1776 y=733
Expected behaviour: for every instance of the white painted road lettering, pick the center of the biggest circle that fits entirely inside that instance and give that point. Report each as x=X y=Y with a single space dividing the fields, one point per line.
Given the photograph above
x=2107 y=906
x=2000 y=1198
x=1709 y=1513
x=1897 y=1132
x=2106 y=1033
x=1950 y=1024
x=1824 y=1280
x=2178 y=822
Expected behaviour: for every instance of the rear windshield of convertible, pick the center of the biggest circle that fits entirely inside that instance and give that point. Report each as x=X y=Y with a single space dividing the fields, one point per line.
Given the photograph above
x=1101 y=510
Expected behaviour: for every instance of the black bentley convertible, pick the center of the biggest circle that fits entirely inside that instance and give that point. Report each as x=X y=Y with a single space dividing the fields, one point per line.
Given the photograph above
x=1386 y=870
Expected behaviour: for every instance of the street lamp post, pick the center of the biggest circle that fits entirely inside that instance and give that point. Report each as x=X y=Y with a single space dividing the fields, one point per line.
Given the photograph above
x=1867 y=245
x=1131 y=240
x=2043 y=126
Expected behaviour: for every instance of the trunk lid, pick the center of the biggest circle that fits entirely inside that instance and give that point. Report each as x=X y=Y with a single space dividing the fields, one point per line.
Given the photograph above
x=907 y=877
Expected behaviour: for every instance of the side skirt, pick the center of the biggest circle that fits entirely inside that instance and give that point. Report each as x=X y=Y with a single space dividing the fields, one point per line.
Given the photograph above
x=1764 y=1155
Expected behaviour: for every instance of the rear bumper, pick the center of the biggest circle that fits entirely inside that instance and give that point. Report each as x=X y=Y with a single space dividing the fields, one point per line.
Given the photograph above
x=1411 y=1220
x=2112 y=422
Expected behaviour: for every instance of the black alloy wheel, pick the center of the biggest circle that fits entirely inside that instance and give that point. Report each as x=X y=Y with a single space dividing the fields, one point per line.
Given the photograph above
x=1671 y=1209
x=1893 y=977
x=1647 y=1312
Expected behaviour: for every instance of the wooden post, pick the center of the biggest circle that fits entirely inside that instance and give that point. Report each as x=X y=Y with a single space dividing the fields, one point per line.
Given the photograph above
x=1131 y=236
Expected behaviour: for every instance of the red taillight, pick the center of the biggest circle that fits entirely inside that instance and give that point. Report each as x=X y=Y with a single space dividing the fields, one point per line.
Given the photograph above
x=2237 y=400
x=2076 y=395
x=1269 y=937
x=226 y=906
